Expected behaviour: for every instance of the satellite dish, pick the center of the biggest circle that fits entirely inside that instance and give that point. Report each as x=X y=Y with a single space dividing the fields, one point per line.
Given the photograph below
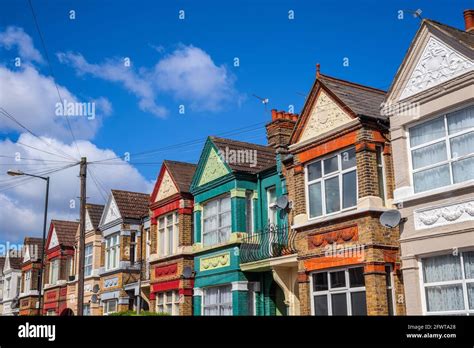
x=282 y=202
x=187 y=272
x=390 y=218
x=95 y=289
x=94 y=298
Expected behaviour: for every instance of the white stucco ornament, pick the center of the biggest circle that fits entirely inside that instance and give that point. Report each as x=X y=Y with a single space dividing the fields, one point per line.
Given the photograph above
x=445 y=215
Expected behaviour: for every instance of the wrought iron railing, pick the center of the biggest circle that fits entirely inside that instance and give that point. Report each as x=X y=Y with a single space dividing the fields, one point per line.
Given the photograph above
x=273 y=241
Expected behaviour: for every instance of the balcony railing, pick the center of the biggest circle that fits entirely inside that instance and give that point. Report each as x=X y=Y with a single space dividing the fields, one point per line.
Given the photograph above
x=273 y=241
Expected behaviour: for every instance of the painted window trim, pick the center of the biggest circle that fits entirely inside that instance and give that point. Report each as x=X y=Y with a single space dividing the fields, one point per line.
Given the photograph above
x=218 y=199
x=175 y=301
x=204 y=290
x=174 y=216
x=108 y=249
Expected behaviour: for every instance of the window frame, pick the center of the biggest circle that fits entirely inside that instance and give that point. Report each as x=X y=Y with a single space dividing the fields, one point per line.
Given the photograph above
x=115 y=248
x=27 y=282
x=175 y=301
x=107 y=306
x=249 y=212
x=164 y=251
x=339 y=173
x=86 y=256
x=52 y=268
x=343 y=290
x=219 y=305
x=271 y=207
x=463 y=282
x=218 y=214
x=446 y=138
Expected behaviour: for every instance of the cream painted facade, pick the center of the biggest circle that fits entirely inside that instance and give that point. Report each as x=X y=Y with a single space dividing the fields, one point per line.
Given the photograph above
x=435 y=79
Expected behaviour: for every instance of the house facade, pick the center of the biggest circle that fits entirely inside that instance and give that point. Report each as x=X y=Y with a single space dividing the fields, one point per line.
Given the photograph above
x=232 y=183
x=339 y=179
x=431 y=109
x=30 y=270
x=171 y=257
x=121 y=227
x=59 y=268
x=11 y=283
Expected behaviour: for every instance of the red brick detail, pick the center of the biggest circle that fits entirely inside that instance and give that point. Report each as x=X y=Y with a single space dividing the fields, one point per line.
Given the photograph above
x=63 y=292
x=303 y=277
x=186 y=292
x=330 y=262
x=298 y=168
x=365 y=146
x=374 y=267
x=165 y=286
x=166 y=208
x=166 y=270
x=51 y=305
x=338 y=236
x=328 y=147
x=187 y=211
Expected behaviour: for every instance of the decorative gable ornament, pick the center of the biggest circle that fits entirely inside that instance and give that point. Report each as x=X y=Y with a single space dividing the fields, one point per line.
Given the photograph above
x=26 y=256
x=54 y=239
x=438 y=63
x=324 y=116
x=167 y=187
x=112 y=212
x=89 y=226
x=214 y=168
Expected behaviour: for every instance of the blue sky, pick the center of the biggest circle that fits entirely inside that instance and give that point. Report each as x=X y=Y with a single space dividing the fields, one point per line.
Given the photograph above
x=140 y=111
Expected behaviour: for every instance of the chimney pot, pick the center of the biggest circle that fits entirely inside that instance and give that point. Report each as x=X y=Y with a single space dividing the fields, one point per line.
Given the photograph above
x=469 y=20
x=274 y=113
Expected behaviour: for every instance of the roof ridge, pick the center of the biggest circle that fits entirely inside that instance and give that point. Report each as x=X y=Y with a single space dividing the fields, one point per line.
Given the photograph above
x=354 y=84
x=69 y=221
x=180 y=162
x=446 y=25
x=242 y=142
x=141 y=193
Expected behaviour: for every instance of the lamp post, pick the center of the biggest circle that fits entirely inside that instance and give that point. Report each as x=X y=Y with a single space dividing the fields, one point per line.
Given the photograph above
x=40 y=274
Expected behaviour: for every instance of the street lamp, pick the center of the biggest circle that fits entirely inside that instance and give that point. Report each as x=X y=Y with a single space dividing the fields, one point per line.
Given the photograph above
x=12 y=172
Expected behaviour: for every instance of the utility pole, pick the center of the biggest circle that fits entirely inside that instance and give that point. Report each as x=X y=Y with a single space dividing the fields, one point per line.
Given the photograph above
x=82 y=236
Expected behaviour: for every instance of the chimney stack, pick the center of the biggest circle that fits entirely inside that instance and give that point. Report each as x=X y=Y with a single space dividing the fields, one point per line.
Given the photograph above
x=469 y=20
x=280 y=128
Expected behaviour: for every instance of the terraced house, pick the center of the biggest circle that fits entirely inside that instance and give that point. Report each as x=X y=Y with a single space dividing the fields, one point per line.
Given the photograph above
x=171 y=259
x=340 y=180
x=30 y=270
x=121 y=226
x=11 y=275
x=59 y=267
x=234 y=184
x=431 y=108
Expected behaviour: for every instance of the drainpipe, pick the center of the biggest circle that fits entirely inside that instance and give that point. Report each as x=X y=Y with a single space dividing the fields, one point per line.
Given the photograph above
x=139 y=302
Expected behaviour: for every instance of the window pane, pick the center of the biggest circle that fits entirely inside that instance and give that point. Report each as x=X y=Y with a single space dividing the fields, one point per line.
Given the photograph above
x=441 y=268
x=356 y=277
x=358 y=303
x=349 y=189
x=320 y=281
x=338 y=279
x=315 y=203
x=461 y=120
x=330 y=165
x=339 y=304
x=321 y=305
x=314 y=171
x=225 y=204
x=427 y=131
x=210 y=208
x=470 y=295
x=210 y=223
x=468 y=264
x=348 y=158
x=210 y=238
x=431 y=178
x=444 y=298
x=462 y=145
x=332 y=194
x=429 y=155
x=224 y=219
x=463 y=170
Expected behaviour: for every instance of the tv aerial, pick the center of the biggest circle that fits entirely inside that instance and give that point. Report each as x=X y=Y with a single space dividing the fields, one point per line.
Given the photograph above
x=390 y=218
x=263 y=100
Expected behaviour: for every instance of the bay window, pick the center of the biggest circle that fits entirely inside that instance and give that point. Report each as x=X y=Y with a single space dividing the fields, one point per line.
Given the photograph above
x=217 y=300
x=88 y=260
x=167 y=302
x=168 y=234
x=442 y=150
x=339 y=292
x=448 y=283
x=54 y=271
x=112 y=251
x=332 y=184
x=216 y=221
x=110 y=306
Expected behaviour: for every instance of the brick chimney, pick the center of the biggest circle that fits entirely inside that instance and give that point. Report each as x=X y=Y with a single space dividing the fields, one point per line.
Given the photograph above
x=469 y=20
x=280 y=128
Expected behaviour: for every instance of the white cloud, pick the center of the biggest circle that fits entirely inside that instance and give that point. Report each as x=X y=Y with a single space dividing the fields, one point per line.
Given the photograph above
x=15 y=37
x=22 y=206
x=188 y=74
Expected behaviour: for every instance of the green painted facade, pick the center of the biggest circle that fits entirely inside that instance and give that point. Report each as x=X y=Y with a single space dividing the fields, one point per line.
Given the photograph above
x=251 y=291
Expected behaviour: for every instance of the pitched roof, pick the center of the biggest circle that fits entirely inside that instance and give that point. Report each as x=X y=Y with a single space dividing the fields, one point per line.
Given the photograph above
x=265 y=155
x=362 y=100
x=35 y=245
x=132 y=205
x=65 y=231
x=15 y=261
x=182 y=173
x=95 y=213
x=463 y=37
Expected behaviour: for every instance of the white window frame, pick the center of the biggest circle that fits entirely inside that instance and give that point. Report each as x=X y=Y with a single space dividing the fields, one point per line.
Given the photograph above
x=219 y=200
x=165 y=299
x=27 y=282
x=339 y=173
x=50 y=312
x=88 y=256
x=382 y=166
x=218 y=304
x=447 y=140
x=8 y=284
x=112 y=248
x=164 y=222
x=343 y=290
x=463 y=282
x=86 y=309
x=249 y=204
x=54 y=269
x=107 y=303
x=271 y=207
